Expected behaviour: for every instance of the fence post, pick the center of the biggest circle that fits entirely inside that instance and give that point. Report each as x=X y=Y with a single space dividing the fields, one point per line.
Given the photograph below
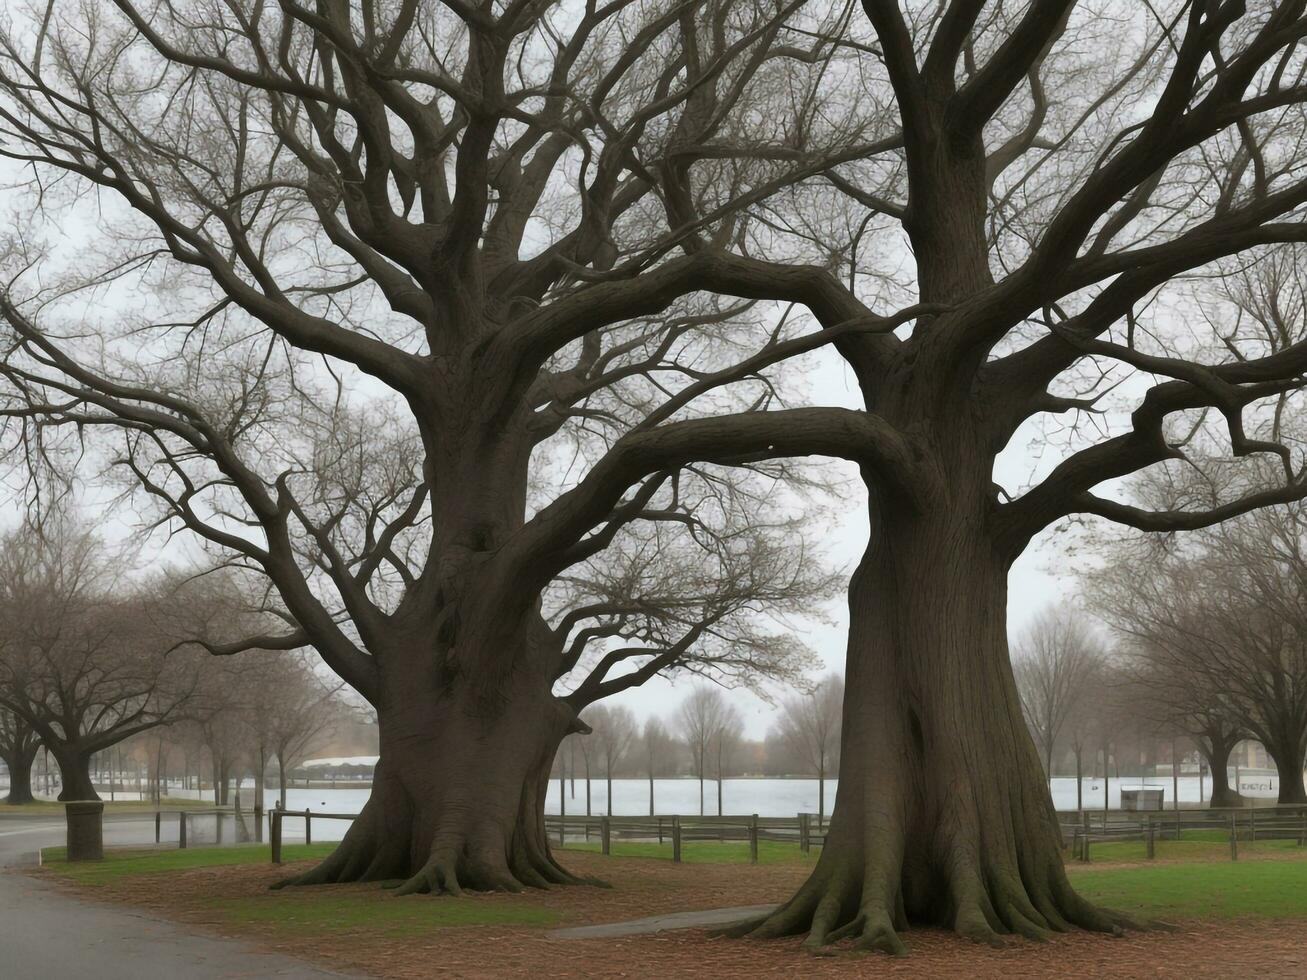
x=276 y=835
x=676 y=839
x=308 y=826
x=805 y=839
x=1252 y=825
x=158 y=821
x=1151 y=846
x=605 y=835
x=753 y=839
x=181 y=830
x=1234 y=837
x=1302 y=832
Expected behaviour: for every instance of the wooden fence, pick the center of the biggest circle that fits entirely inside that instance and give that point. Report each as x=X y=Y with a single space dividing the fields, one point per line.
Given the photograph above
x=1081 y=830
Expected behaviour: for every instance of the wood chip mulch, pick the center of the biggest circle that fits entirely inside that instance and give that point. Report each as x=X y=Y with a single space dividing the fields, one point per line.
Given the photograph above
x=1226 y=949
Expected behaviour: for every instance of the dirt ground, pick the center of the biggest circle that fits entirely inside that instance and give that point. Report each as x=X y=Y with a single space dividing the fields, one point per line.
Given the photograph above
x=645 y=887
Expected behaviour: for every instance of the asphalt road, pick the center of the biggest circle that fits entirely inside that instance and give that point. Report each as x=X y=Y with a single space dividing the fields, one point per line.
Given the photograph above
x=50 y=935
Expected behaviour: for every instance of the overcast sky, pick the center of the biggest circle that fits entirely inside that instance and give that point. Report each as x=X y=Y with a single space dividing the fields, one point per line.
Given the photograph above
x=1037 y=580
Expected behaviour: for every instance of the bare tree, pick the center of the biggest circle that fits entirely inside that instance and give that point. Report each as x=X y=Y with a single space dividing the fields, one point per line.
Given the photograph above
x=1071 y=176
x=1055 y=663
x=1059 y=171
x=614 y=729
x=810 y=725
x=703 y=717
x=85 y=666
x=725 y=741
x=391 y=257
x=19 y=745
x=656 y=747
x=1219 y=637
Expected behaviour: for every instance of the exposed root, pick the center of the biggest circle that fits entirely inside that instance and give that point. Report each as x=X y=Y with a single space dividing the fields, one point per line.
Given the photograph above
x=984 y=901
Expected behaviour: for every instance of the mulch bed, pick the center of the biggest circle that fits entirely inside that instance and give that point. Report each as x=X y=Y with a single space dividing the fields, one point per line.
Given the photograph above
x=647 y=887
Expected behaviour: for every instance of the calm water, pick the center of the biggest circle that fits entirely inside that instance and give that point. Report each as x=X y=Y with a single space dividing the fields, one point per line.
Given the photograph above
x=766 y=797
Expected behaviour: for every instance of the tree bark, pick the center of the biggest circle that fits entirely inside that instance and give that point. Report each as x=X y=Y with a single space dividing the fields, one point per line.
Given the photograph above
x=75 y=773
x=459 y=789
x=19 y=764
x=1218 y=760
x=1288 y=754
x=943 y=815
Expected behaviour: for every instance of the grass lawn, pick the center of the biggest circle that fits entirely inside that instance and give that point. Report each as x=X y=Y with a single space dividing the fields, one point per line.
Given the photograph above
x=706 y=852
x=1274 y=888
x=298 y=912
x=121 y=863
x=1201 y=890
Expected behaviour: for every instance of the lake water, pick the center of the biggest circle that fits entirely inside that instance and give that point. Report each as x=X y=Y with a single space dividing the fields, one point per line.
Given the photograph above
x=765 y=797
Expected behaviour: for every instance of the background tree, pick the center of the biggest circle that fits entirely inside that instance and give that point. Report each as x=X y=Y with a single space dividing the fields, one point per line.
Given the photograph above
x=614 y=731
x=19 y=745
x=657 y=747
x=809 y=724
x=725 y=742
x=1220 y=638
x=86 y=666
x=1055 y=665
x=701 y=718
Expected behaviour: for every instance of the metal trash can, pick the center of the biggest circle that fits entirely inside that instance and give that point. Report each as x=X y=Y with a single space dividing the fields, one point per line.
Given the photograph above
x=85 y=830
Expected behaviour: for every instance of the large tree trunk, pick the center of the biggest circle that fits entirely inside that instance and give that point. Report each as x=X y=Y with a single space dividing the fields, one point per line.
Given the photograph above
x=1218 y=759
x=943 y=815
x=1287 y=753
x=459 y=788
x=75 y=773
x=19 y=764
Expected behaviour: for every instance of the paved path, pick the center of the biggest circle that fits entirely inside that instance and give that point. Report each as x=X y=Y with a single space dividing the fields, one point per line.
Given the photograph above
x=703 y=919
x=50 y=935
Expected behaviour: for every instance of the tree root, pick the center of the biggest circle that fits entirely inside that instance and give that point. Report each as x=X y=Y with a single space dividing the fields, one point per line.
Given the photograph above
x=837 y=906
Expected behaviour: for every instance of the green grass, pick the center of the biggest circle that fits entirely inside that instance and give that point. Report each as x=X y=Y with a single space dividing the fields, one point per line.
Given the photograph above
x=1266 y=889
x=706 y=852
x=126 y=863
x=325 y=913
x=306 y=912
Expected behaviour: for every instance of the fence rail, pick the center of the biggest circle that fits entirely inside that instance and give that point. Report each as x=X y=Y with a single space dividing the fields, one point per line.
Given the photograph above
x=803 y=829
x=1081 y=830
